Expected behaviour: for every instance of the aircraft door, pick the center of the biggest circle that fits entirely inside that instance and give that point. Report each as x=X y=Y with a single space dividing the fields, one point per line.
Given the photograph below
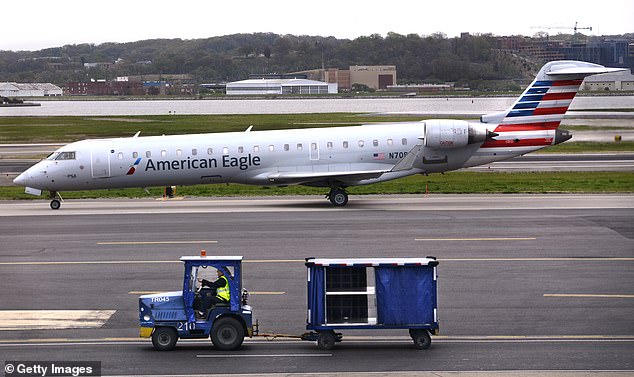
x=100 y=161
x=314 y=150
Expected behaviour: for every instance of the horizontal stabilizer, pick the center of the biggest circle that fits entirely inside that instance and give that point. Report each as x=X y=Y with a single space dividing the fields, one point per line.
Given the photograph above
x=585 y=71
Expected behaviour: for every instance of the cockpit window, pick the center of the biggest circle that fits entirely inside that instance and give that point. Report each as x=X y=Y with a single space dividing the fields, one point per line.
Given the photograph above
x=52 y=156
x=65 y=156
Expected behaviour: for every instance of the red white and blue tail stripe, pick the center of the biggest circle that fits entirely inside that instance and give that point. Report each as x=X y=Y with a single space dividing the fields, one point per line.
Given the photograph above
x=534 y=117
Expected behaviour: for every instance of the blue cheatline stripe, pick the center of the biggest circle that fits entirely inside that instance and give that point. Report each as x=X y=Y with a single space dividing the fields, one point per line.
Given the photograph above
x=531 y=98
x=542 y=83
x=137 y=161
x=519 y=113
x=526 y=105
x=537 y=90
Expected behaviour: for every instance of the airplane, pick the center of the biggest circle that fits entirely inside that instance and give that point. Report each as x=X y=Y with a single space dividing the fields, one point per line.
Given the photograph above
x=334 y=158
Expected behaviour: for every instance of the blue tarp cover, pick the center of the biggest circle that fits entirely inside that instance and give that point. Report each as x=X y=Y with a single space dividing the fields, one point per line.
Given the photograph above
x=316 y=294
x=405 y=295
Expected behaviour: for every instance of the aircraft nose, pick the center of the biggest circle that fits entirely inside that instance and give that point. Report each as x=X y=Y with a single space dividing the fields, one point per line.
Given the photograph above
x=21 y=179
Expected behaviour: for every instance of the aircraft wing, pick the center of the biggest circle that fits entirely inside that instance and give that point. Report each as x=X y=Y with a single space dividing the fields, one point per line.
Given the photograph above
x=307 y=178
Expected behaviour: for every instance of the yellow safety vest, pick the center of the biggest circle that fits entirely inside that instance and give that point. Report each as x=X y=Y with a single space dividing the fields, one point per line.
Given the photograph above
x=223 y=292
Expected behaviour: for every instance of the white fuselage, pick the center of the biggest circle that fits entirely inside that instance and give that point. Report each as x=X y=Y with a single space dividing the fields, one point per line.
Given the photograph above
x=255 y=157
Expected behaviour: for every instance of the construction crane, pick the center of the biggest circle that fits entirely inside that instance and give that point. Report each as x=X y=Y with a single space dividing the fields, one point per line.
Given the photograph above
x=575 y=28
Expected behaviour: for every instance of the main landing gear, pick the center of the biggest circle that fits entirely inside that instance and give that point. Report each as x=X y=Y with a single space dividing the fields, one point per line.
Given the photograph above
x=56 y=200
x=338 y=197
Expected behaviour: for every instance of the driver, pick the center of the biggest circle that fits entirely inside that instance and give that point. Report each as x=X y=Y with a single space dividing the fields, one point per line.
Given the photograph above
x=221 y=288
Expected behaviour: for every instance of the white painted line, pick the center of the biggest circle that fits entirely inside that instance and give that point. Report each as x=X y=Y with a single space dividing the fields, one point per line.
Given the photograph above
x=224 y=356
x=53 y=319
x=156 y=242
x=479 y=239
x=586 y=295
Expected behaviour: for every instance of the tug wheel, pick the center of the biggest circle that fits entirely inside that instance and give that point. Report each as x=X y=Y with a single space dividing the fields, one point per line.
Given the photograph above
x=164 y=338
x=227 y=334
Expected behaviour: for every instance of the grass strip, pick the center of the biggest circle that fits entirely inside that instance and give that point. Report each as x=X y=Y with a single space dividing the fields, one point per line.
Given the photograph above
x=449 y=183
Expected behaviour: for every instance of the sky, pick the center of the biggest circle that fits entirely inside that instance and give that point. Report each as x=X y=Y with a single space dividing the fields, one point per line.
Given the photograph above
x=38 y=24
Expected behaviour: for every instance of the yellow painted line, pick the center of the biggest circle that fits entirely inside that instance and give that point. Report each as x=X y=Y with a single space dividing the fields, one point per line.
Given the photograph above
x=84 y=262
x=51 y=263
x=586 y=295
x=479 y=239
x=251 y=293
x=353 y=338
x=156 y=242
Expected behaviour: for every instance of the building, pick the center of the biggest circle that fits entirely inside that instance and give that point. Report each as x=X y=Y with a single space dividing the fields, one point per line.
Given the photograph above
x=104 y=88
x=280 y=86
x=420 y=88
x=376 y=77
x=610 y=81
x=13 y=89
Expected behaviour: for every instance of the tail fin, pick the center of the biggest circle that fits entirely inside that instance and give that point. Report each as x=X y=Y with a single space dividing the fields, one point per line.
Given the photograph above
x=543 y=104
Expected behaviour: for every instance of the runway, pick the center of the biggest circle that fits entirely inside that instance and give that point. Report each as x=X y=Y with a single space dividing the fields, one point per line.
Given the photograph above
x=528 y=283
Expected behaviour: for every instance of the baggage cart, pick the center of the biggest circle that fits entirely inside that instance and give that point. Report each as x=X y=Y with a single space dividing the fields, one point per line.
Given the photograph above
x=371 y=293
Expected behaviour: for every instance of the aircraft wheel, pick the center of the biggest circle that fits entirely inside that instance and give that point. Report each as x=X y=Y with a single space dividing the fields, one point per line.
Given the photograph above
x=421 y=338
x=55 y=204
x=338 y=197
x=227 y=334
x=164 y=338
x=326 y=340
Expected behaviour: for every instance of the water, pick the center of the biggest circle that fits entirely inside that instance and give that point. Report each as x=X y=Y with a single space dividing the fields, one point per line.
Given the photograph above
x=449 y=106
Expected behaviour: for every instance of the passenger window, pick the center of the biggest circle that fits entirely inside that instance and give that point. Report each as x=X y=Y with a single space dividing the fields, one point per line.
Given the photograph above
x=240 y=149
x=179 y=152
x=404 y=141
x=135 y=154
x=329 y=145
x=120 y=155
x=300 y=147
x=390 y=142
x=287 y=147
x=194 y=151
x=375 y=143
x=256 y=148
x=271 y=148
x=225 y=151
x=361 y=143
x=163 y=153
x=148 y=154
x=210 y=151
x=345 y=144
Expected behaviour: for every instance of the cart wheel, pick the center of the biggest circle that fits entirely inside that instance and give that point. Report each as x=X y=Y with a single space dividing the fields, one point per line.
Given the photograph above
x=164 y=338
x=227 y=334
x=326 y=340
x=421 y=338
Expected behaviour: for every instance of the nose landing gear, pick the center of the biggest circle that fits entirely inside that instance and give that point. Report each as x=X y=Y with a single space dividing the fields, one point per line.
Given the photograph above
x=56 y=200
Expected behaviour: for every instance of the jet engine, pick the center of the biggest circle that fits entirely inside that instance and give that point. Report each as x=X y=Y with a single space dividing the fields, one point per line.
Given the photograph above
x=447 y=133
